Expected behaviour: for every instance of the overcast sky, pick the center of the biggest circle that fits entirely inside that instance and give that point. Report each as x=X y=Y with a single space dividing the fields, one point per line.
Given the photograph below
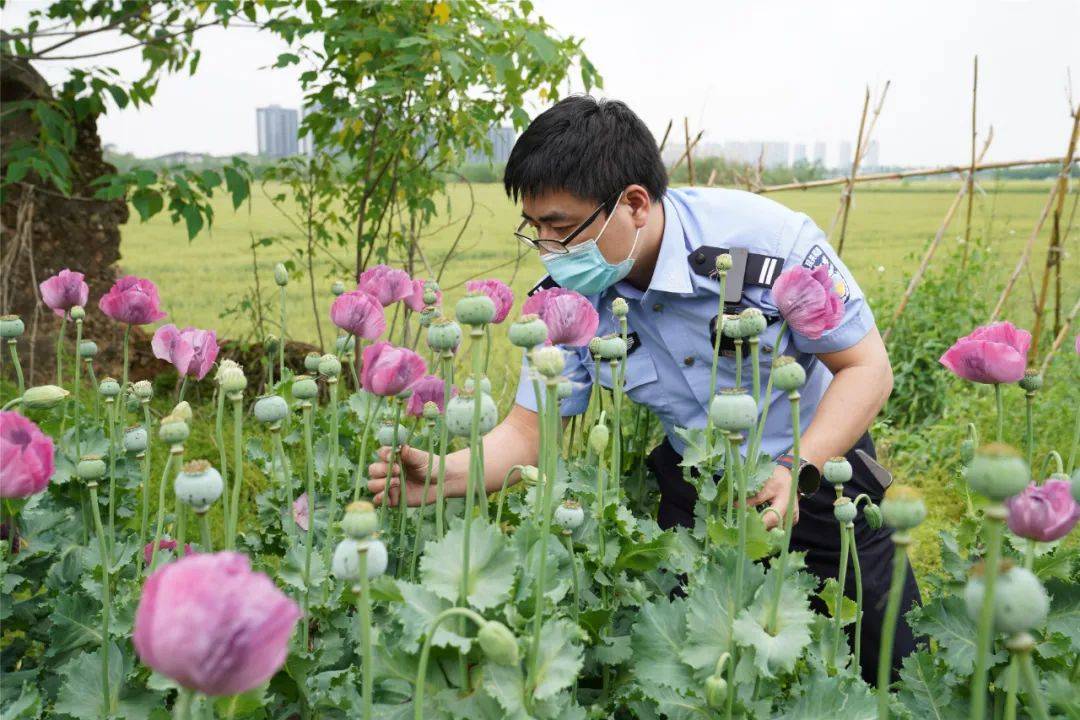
x=782 y=70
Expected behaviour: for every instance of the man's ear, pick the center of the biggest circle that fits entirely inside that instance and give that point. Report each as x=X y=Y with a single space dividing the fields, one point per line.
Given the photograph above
x=637 y=197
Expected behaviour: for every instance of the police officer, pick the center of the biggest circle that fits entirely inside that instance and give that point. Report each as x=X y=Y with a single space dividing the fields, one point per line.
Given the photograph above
x=597 y=206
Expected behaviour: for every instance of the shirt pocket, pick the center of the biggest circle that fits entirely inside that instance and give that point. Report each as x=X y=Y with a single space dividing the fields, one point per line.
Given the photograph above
x=641 y=375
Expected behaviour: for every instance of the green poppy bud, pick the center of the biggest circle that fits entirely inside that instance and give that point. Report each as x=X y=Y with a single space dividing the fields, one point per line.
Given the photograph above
x=360 y=520
x=78 y=313
x=1020 y=600
x=329 y=366
x=198 y=485
x=549 y=361
x=723 y=262
x=594 y=347
x=599 y=437
x=135 y=439
x=498 y=643
x=431 y=294
x=732 y=327
x=610 y=347
x=967 y=451
x=475 y=309
x=337 y=288
x=788 y=374
x=485 y=384
x=109 y=387
x=88 y=349
x=903 y=508
x=733 y=410
x=528 y=331
x=305 y=388
x=271 y=409
x=43 y=397
x=131 y=402
x=232 y=380
x=270 y=344
x=183 y=411
x=530 y=474
x=569 y=515
x=619 y=307
x=752 y=322
x=281 y=275
x=311 y=362
x=386 y=435
x=872 y=513
x=90 y=468
x=11 y=326
x=715 y=685
x=143 y=389
x=431 y=410
x=998 y=472
x=173 y=430
x=344 y=344
x=1031 y=381
x=429 y=315
x=844 y=510
x=837 y=470
x=444 y=335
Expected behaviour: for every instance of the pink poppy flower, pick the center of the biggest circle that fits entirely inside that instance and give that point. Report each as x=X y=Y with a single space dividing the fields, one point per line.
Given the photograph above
x=301 y=514
x=415 y=301
x=808 y=301
x=191 y=351
x=26 y=457
x=1045 y=512
x=359 y=314
x=991 y=354
x=163 y=545
x=133 y=301
x=385 y=284
x=427 y=389
x=570 y=317
x=389 y=370
x=500 y=294
x=65 y=290
x=213 y=625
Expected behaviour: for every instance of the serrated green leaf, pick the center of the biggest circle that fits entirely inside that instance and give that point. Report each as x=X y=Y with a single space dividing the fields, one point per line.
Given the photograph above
x=82 y=696
x=658 y=637
x=758 y=542
x=492 y=565
x=417 y=614
x=613 y=650
x=946 y=619
x=777 y=651
x=76 y=623
x=1064 y=616
x=506 y=685
x=827 y=698
x=643 y=556
x=926 y=689
x=828 y=596
x=560 y=658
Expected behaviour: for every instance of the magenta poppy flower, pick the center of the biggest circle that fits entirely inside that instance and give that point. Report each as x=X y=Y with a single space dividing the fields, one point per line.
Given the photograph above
x=570 y=317
x=359 y=314
x=1045 y=512
x=163 y=545
x=301 y=513
x=808 y=301
x=213 y=625
x=500 y=294
x=991 y=354
x=133 y=301
x=385 y=284
x=427 y=389
x=191 y=351
x=415 y=301
x=65 y=290
x=389 y=370
x=26 y=457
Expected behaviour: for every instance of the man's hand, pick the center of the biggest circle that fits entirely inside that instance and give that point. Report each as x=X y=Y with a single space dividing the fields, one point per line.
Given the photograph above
x=775 y=491
x=415 y=462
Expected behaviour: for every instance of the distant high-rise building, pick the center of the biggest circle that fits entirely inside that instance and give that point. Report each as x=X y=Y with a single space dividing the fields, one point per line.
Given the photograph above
x=776 y=154
x=843 y=155
x=819 y=154
x=277 y=131
x=798 y=153
x=870 y=159
x=502 y=142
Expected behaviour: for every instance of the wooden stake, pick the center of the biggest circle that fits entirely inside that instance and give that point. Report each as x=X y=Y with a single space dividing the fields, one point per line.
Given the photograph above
x=689 y=150
x=666 y=133
x=673 y=168
x=862 y=144
x=971 y=172
x=1060 y=337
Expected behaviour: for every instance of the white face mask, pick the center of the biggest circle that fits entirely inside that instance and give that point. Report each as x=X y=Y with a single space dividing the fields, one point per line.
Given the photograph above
x=584 y=268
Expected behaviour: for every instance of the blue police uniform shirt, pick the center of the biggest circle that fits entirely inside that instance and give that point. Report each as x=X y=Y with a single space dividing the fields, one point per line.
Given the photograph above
x=668 y=368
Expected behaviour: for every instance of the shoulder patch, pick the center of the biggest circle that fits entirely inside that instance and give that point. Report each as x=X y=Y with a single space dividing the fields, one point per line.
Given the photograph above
x=546 y=283
x=818 y=257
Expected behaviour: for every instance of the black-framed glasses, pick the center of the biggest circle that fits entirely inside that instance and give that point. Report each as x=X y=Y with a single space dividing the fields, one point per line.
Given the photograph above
x=557 y=246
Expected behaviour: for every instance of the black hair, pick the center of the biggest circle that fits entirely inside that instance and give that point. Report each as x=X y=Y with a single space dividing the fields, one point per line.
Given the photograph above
x=589 y=147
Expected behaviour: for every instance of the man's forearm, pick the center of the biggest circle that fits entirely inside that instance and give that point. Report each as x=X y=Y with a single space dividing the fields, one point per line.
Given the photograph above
x=514 y=441
x=847 y=409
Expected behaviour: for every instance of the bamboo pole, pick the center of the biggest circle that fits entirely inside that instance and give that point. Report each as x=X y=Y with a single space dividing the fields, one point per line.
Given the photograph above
x=929 y=254
x=845 y=194
x=666 y=133
x=1066 y=165
x=689 y=150
x=712 y=178
x=1054 y=249
x=971 y=172
x=1062 y=334
x=673 y=168
x=902 y=174
x=861 y=147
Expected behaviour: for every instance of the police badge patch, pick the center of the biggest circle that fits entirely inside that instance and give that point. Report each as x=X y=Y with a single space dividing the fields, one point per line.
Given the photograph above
x=817 y=256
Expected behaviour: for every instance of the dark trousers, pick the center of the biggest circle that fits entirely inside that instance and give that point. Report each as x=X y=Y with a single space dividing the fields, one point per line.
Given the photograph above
x=818 y=535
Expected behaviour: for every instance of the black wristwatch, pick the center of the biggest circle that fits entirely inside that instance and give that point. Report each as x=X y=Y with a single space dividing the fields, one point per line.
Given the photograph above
x=809 y=477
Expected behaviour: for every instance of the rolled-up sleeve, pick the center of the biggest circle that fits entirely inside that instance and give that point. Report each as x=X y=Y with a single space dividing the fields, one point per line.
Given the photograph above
x=577 y=372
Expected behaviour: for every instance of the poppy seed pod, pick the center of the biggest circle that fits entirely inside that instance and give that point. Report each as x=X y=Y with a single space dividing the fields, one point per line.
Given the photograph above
x=12 y=326
x=599 y=437
x=609 y=347
x=311 y=362
x=431 y=294
x=281 y=275
x=346 y=561
x=569 y=515
x=733 y=410
x=715 y=685
x=594 y=348
x=109 y=387
x=528 y=331
x=1020 y=600
x=787 y=374
x=498 y=643
x=199 y=485
x=431 y=410
x=91 y=468
x=386 y=435
x=173 y=430
x=360 y=520
x=337 y=288
x=329 y=366
x=271 y=409
x=1031 y=381
x=475 y=309
x=135 y=439
x=182 y=411
x=903 y=508
x=549 y=361
x=43 y=397
x=232 y=380
x=998 y=472
x=872 y=513
x=305 y=388
x=88 y=349
x=459 y=414
x=723 y=262
x=144 y=389
x=732 y=327
x=78 y=313
x=837 y=470
x=444 y=335
x=619 y=307
x=752 y=322
x=429 y=315
x=485 y=385
x=564 y=389
x=844 y=510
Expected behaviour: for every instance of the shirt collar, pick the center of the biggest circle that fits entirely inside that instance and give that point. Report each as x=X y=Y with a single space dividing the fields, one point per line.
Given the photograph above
x=672 y=271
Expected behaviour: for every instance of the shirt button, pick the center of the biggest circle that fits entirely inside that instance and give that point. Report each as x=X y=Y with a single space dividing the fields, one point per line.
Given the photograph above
x=688 y=360
x=657 y=307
